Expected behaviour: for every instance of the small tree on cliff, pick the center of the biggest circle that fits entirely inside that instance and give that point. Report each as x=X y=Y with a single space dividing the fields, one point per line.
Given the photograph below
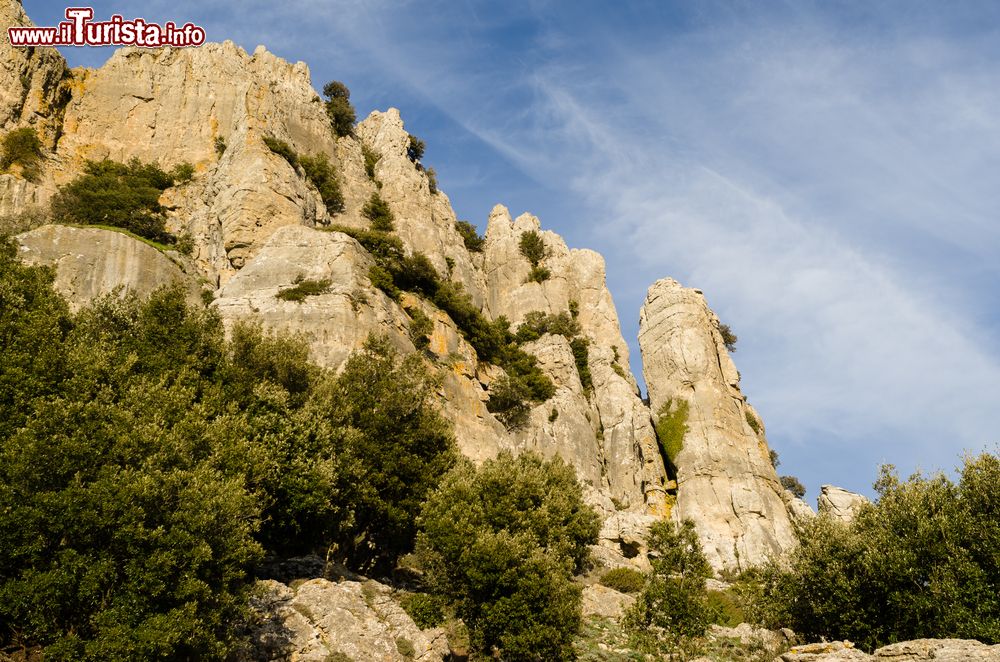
x=339 y=108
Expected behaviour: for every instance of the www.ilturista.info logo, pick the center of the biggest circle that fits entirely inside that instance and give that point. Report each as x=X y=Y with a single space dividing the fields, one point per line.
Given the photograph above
x=79 y=30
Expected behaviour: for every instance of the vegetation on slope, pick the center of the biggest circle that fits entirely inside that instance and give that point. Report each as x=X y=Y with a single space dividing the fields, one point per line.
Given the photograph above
x=919 y=562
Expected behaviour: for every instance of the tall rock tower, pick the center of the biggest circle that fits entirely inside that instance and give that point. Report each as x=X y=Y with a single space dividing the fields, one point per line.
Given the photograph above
x=726 y=483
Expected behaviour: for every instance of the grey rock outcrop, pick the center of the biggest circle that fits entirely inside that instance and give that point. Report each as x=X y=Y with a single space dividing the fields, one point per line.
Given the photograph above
x=31 y=81
x=919 y=650
x=726 y=483
x=605 y=602
x=839 y=503
x=798 y=510
x=90 y=262
x=319 y=619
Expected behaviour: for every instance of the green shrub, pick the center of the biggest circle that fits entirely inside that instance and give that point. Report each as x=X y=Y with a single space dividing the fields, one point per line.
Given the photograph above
x=415 y=149
x=432 y=181
x=417 y=274
x=508 y=401
x=724 y=609
x=754 y=424
x=574 y=310
x=378 y=212
x=319 y=171
x=182 y=173
x=421 y=327
x=339 y=108
x=581 y=355
x=382 y=279
x=185 y=244
x=918 y=563
x=22 y=147
x=626 y=580
x=502 y=542
x=426 y=610
x=121 y=195
x=28 y=219
x=671 y=426
x=470 y=236
x=728 y=337
x=536 y=324
x=673 y=607
x=220 y=145
x=371 y=159
x=405 y=648
x=304 y=287
x=773 y=454
x=532 y=247
x=539 y=275
x=793 y=485
x=173 y=456
x=282 y=149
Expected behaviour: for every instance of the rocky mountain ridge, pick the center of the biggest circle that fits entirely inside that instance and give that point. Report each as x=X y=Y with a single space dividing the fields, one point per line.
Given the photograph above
x=258 y=225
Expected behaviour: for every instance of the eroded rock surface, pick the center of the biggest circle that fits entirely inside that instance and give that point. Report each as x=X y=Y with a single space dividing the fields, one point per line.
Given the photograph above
x=90 y=262
x=320 y=619
x=726 y=483
x=839 y=503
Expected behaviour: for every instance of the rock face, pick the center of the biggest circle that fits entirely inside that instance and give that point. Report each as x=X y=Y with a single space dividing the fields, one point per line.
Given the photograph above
x=320 y=619
x=256 y=221
x=605 y=602
x=30 y=81
x=726 y=483
x=920 y=650
x=90 y=262
x=839 y=503
x=798 y=510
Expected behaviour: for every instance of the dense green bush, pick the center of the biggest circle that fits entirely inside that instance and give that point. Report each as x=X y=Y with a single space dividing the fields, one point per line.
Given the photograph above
x=509 y=398
x=432 y=180
x=304 y=287
x=339 y=108
x=117 y=194
x=371 y=159
x=319 y=171
x=626 y=580
x=427 y=611
x=146 y=462
x=220 y=146
x=282 y=149
x=793 y=485
x=536 y=324
x=673 y=606
x=728 y=337
x=379 y=213
x=581 y=356
x=754 y=424
x=532 y=247
x=421 y=327
x=22 y=147
x=470 y=236
x=920 y=562
x=415 y=149
x=539 y=274
x=671 y=426
x=182 y=172
x=502 y=543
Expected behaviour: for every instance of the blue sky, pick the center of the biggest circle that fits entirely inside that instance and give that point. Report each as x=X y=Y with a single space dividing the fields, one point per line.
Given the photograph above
x=827 y=172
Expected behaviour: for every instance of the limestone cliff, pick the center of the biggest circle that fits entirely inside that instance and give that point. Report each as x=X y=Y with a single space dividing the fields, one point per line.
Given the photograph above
x=726 y=483
x=258 y=225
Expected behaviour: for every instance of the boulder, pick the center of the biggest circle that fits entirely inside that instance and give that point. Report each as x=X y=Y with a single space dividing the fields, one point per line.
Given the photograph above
x=839 y=503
